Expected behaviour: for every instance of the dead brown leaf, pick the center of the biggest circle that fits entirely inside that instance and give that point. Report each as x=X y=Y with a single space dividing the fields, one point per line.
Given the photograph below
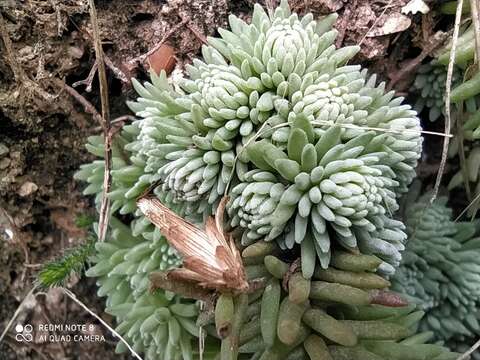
x=394 y=23
x=162 y=59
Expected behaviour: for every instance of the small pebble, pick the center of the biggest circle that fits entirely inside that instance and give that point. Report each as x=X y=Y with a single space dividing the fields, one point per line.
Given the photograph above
x=3 y=150
x=27 y=188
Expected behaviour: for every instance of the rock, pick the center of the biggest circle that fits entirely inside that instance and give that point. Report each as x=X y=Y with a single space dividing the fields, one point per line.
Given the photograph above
x=4 y=163
x=27 y=188
x=3 y=150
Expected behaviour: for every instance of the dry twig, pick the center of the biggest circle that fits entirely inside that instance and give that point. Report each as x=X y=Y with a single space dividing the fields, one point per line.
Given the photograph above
x=115 y=333
x=88 y=107
x=474 y=8
x=446 y=140
x=91 y=75
x=15 y=314
x=102 y=75
x=116 y=71
x=473 y=202
x=119 y=74
x=201 y=335
x=89 y=79
x=470 y=351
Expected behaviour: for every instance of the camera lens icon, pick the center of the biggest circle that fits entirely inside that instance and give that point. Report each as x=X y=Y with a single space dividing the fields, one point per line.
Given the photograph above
x=24 y=333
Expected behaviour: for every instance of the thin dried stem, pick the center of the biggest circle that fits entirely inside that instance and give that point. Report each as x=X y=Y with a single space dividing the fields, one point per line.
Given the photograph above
x=473 y=202
x=446 y=140
x=470 y=351
x=474 y=8
x=375 y=22
x=72 y=296
x=119 y=74
x=15 y=314
x=102 y=75
x=87 y=105
x=89 y=79
x=201 y=335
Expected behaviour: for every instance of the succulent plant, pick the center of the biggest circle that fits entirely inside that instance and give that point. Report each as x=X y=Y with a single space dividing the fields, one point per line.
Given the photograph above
x=472 y=168
x=158 y=323
x=281 y=81
x=128 y=182
x=441 y=270
x=472 y=125
x=310 y=150
x=126 y=171
x=472 y=161
x=298 y=196
x=430 y=83
x=299 y=97
x=335 y=315
x=464 y=51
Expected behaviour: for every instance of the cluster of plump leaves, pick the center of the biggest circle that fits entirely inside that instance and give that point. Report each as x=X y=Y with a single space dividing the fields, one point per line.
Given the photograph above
x=319 y=184
x=158 y=323
x=332 y=316
x=276 y=86
x=430 y=83
x=311 y=150
x=441 y=270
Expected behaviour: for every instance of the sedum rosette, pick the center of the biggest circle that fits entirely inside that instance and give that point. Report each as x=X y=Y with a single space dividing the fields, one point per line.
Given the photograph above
x=340 y=313
x=430 y=83
x=311 y=151
x=279 y=86
x=158 y=324
x=319 y=188
x=441 y=270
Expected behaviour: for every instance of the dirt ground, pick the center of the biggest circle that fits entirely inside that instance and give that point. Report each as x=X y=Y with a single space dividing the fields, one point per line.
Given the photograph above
x=43 y=129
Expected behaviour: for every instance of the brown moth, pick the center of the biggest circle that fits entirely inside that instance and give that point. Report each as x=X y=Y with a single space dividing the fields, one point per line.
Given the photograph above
x=210 y=257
